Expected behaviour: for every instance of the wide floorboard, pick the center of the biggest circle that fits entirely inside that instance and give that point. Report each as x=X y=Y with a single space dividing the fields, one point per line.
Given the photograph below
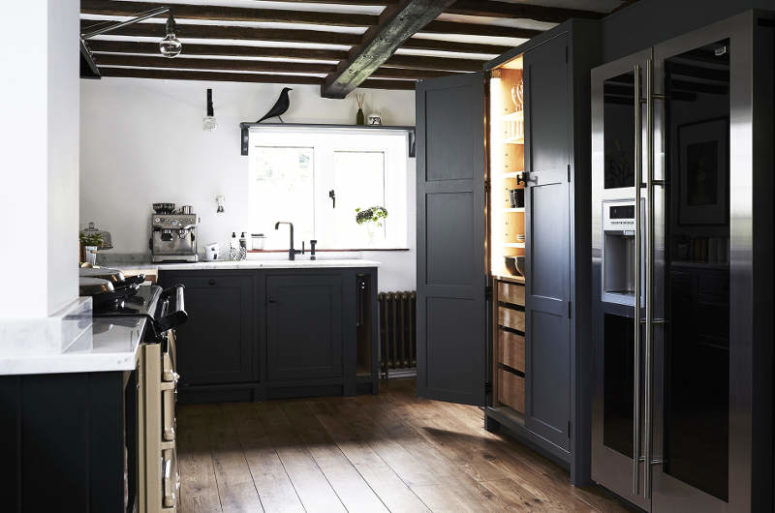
x=390 y=452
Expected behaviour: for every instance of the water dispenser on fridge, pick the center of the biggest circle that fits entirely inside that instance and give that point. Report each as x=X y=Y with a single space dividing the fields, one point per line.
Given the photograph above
x=619 y=252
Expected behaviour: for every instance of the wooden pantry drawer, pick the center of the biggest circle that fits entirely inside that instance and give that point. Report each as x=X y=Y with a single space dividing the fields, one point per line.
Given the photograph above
x=511 y=390
x=514 y=319
x=513 y=293
x=511 y=350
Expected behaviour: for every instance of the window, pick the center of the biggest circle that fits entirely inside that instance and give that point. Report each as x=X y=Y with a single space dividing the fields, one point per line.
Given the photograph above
x=317 y=178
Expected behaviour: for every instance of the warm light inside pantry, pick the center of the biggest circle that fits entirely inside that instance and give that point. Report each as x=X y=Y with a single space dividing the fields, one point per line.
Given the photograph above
x=507 y=161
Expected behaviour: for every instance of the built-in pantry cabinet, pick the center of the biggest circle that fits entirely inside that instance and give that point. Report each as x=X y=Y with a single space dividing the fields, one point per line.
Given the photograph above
x=503 y=172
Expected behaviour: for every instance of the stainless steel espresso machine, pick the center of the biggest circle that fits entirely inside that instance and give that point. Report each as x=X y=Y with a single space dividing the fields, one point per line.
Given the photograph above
x=173 y=234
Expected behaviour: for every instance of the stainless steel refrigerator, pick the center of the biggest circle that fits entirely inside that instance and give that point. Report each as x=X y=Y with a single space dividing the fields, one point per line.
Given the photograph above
x=682 y=271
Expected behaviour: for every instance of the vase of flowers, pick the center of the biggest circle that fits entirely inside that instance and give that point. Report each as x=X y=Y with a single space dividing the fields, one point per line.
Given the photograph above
x=372 y=219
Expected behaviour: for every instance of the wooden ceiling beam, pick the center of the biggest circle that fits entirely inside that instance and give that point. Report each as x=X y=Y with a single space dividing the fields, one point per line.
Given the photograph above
x=416 y=62
x=478 y=29
x=235 y=33
x=216 y=13
x=494 y=9
x=220 y=50
x=396 y=25
x=440 y=63
x=416 y=43
x=139 y=61
x=246 y=14
x=169 y=74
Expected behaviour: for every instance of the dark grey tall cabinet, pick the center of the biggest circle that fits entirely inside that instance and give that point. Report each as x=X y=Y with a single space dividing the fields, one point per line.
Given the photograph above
x=504 y=241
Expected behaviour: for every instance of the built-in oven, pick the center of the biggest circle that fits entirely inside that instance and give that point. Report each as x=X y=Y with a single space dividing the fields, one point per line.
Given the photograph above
x=151 y=479
x=157 y=463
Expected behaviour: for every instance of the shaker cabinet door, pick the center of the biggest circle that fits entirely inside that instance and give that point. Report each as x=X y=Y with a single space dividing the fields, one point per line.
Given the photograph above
x=548 y=119
x=451 y=276
x=217 y=343
x=304 y=326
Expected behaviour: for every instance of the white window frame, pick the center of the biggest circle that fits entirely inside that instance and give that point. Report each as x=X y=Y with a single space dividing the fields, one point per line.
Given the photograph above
x=326 y=141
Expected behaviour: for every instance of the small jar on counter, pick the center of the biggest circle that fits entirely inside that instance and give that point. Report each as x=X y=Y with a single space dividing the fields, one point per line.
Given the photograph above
x=257 y=241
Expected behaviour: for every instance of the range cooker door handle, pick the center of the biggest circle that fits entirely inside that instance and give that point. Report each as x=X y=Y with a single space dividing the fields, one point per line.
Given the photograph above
x=179 y=315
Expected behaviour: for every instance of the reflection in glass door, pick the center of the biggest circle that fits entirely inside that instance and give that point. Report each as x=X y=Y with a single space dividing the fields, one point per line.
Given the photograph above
x=618 y=140
x=696 y=362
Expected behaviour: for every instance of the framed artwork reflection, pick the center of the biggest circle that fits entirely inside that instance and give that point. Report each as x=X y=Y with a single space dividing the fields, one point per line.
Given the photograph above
x=703 y=161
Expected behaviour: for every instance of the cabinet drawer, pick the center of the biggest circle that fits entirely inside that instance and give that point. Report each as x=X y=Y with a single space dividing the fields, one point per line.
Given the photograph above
x=514 y=319
x=511 y=293
x=511 y=350
x=511 y=390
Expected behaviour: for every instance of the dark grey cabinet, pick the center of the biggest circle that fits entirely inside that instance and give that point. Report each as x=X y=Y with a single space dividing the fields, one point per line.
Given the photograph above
x=217 y=343
x=548 y=152
x=304 y=326
x=468 y=226
x=451 y=277
x=257 y=334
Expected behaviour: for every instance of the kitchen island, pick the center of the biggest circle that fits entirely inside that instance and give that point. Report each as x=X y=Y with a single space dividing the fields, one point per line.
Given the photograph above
x=263 y=329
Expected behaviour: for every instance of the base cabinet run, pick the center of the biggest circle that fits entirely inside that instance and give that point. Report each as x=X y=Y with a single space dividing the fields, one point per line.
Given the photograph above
x=261 y=334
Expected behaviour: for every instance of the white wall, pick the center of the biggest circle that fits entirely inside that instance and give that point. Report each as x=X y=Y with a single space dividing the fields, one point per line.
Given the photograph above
x=39 y=156
x=142 y=141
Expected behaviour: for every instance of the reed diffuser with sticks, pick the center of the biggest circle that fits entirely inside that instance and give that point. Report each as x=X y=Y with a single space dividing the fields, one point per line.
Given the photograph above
x=360 y=118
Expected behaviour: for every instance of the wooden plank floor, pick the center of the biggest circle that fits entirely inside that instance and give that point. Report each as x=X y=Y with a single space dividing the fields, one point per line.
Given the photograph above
x=391 y=452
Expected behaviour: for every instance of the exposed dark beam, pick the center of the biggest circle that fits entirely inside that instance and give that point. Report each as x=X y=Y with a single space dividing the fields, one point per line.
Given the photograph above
x=493 y=9
x=441 y=63
x=478 y=29
x=220 y=50
x=241 y=14
x=235 y=32
x=397 y=24
x=208 y=12
x=139 y=61
x=416 y=43
x=289 y=36
x=417 y=62
x=168 y=74
x=212 y=64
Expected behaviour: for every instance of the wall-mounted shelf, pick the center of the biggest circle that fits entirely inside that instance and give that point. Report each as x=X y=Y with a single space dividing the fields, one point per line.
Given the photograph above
x=245 y=131
x=507 y=210
x=513 y=174
x=515 y=140
x=519 y=245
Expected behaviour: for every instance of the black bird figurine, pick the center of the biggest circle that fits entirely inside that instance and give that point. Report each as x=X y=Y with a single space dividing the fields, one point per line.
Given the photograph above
x=280 y=106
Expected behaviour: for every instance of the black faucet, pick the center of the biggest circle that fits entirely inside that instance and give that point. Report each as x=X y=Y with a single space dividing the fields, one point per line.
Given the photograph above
x=291 y=252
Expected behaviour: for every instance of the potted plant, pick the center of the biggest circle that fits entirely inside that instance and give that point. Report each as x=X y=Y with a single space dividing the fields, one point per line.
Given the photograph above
x=372 y=218
x=90 y=243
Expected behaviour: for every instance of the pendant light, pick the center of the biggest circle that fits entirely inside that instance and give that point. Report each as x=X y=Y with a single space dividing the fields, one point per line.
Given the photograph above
x=170 y=46
x=208 y=122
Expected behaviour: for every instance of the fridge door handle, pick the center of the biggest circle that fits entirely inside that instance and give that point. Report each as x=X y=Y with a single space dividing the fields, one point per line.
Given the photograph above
x=638 y=168
x=649 y=331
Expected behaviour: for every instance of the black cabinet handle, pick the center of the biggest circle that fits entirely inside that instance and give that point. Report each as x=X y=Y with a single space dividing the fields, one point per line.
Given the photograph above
x=211 y=281
x=271 y=301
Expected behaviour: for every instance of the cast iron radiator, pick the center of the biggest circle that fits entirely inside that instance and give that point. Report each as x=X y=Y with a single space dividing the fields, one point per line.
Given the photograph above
x=397 y=328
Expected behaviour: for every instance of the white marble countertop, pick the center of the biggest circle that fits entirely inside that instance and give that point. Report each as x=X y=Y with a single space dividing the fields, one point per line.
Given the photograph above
x=249 y=264
x=111 y=345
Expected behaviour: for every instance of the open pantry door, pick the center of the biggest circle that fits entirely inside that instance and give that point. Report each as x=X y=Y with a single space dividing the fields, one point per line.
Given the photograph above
x=451 y=273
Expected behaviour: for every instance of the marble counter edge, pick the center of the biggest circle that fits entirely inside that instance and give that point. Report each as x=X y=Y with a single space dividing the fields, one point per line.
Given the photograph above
x=105 y=354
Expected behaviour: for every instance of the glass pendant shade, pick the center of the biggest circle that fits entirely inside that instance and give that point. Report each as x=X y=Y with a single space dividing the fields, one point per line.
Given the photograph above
x=170 y=46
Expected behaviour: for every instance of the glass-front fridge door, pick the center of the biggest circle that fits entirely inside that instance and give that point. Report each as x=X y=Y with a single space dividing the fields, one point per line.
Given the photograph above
x=618 y=140
x=698 y=189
